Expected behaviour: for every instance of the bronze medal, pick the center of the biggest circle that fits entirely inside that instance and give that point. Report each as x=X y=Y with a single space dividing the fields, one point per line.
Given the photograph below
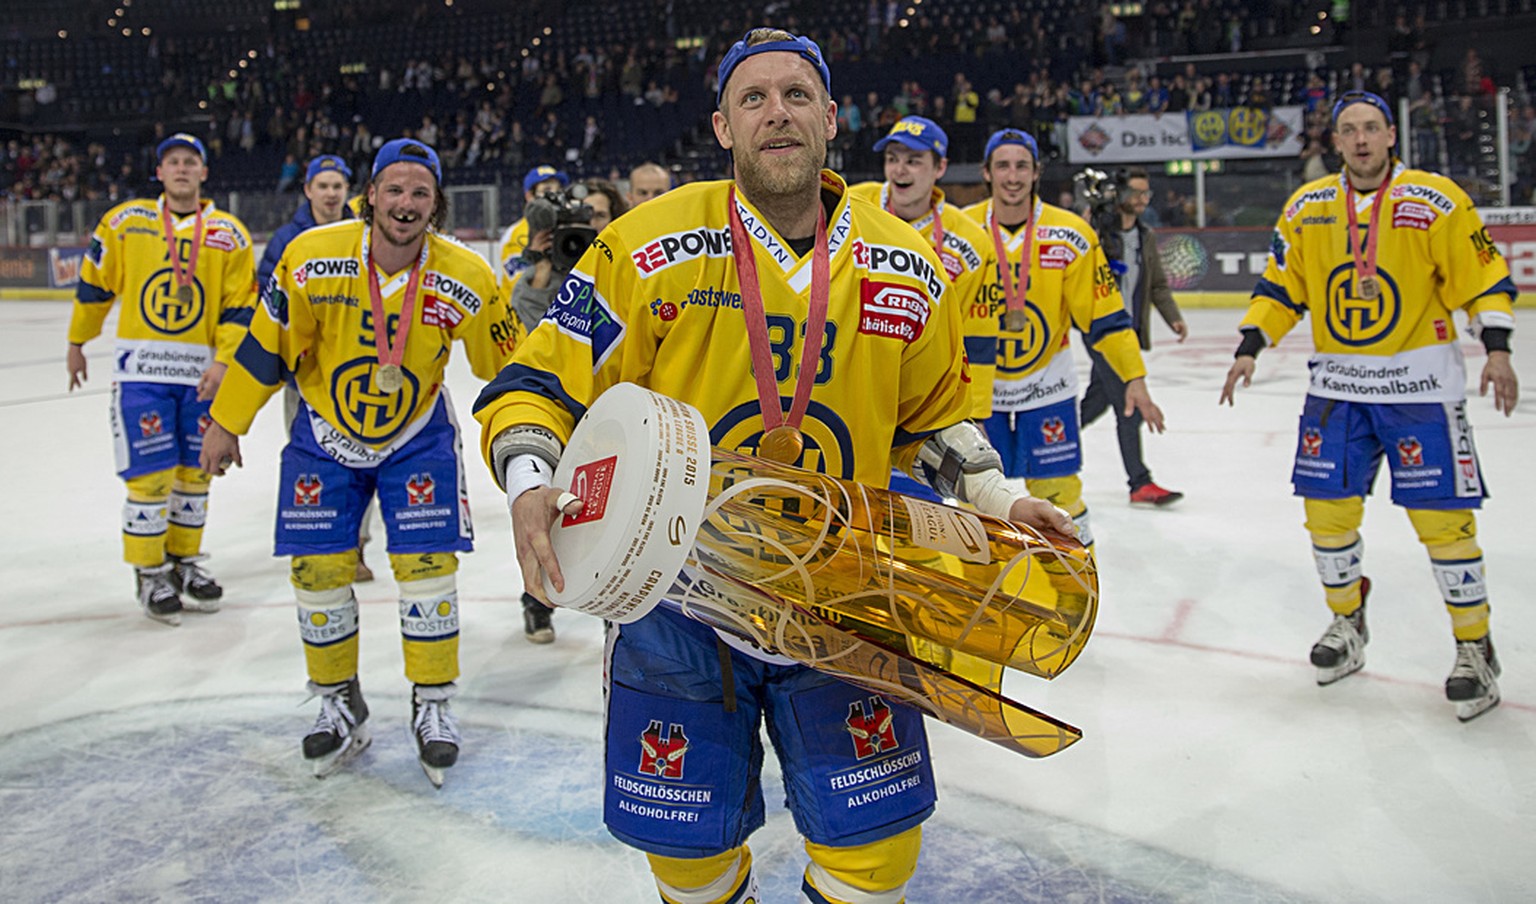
x=389 y=378
x=782 y=444
x=1014 y=321
x=1369 y=288
x=184 y=294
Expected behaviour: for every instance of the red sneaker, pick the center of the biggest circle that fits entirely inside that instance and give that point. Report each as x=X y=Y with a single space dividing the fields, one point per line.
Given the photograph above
x=1153 y=495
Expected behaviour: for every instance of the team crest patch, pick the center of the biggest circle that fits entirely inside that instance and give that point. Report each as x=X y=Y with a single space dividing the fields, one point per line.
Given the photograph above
x=420 y=489
x=872 y=726
x=662 y=755
x=1053 y=430
x=150 y=424
x=1410 y=452
x=306 y=490
x=1311 y=442
x=892 y=310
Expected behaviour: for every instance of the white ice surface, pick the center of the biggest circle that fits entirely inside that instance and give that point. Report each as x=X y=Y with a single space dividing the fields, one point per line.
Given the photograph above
x=140 y=762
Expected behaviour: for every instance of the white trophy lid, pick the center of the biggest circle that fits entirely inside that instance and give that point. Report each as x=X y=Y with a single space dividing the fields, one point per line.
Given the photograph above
x=640 y=463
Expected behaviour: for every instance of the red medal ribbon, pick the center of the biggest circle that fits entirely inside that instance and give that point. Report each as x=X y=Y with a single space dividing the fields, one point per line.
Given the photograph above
x=391 y=353
x=184 y=276
x=1366 y=268
x=757 y=321
x=1014 y=294
x=938 y=225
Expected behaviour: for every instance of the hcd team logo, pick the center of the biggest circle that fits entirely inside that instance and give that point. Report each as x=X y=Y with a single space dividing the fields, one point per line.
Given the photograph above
x=661 y=755
x=870 y=722
x=306 y=489
x=1410 y=452
x=1053 y=430
x=150 y=423
x=163 y=310
x=420 y=489
x=1311 y=442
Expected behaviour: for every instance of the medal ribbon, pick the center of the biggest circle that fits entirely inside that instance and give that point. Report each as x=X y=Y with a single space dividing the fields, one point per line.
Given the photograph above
x=938 y=225
x=1014 y=294
x=391 y=353
x=757 y=321
x=184 y=276
x=1364 y=269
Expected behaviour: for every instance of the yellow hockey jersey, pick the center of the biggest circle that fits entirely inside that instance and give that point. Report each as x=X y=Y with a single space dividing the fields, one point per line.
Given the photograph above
x=1070 y=284
x=316 y=323
x=967 y=257
x=160 y=338
x=1433 y=257
x=656 y=301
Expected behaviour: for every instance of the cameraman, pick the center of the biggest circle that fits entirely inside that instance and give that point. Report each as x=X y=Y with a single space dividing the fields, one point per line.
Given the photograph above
x=542 y=271
x=1141 y=281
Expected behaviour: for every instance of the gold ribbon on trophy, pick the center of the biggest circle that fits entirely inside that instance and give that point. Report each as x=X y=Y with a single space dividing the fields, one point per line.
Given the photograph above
x=922 y=602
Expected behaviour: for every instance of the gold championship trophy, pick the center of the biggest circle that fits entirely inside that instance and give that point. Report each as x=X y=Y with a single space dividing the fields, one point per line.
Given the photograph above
x=921 y=602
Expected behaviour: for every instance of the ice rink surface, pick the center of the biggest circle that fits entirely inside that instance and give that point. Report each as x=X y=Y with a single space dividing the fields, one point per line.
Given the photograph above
x=140 y=762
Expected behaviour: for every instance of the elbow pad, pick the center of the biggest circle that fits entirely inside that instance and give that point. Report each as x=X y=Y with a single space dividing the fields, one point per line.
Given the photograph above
x=524 y=439
x=948 y=456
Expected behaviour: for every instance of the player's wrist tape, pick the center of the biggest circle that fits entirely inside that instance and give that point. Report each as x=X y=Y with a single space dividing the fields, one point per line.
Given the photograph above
x=1252 y=344
x=524 y=473
x=993 y=494
x=524 y=439
x=1496 y=339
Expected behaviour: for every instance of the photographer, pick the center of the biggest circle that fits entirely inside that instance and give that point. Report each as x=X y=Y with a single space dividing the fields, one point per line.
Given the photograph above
x=1117 y=211
x=561 y=225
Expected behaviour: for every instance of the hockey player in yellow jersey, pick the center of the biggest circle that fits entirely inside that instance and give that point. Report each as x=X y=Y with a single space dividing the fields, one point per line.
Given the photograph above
x=1382 y=256
x=745 y=298
x=915 y=155
x=1055 y=277
x=362 y=313
x=185 y=274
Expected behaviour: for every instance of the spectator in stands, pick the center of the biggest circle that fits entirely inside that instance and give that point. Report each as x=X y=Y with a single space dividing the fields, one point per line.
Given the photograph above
x=646 y=181
x=289 y=175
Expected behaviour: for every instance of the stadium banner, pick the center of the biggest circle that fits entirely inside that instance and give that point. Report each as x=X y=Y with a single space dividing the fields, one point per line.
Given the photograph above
x=64 y=267
x=1232 y=259
x=1226 y=134
x=22 y=267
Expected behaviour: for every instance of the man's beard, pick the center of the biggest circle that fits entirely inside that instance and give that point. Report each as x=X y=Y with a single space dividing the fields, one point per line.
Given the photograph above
x=389 y=237
x=762 y=180
x=1379 y=171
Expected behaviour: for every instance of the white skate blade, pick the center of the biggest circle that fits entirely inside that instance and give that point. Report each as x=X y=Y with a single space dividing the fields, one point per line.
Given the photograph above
x=1467 y=710
x=349 y=750
x=170 y=618
x=193 y=604
x=1327 y=676
x=435 y=774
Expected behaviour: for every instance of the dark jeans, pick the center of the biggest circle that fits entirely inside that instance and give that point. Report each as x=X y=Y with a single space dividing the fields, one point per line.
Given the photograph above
x=1105 y=391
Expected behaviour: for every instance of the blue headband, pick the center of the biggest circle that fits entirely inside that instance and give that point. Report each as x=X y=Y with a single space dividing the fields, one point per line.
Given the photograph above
x=1011 y=136
x=804 y=47
x=1350 y=98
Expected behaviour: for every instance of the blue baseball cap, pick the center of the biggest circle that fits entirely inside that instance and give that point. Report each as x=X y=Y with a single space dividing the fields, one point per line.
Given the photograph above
x=918 y=133
x=182 y=140
x=801 y=45
x=1350 y=98
x=327 y=163
x=407 y=150
x=544 y=173
x=1011 y=136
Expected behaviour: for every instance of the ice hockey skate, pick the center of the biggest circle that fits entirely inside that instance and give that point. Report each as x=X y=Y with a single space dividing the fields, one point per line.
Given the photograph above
x=202 y=592
x=1472 y=684
x=1340 y=652
x=536 y=621
x=339 y=735
x=436 y=730
x=157 y=594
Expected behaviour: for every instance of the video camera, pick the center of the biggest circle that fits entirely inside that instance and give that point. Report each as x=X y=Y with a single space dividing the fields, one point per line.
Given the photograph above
x=1103 y=191
x=569 y=217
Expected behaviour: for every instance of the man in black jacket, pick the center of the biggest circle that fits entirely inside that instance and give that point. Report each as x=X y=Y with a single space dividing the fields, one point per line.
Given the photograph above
x=1143 y=285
